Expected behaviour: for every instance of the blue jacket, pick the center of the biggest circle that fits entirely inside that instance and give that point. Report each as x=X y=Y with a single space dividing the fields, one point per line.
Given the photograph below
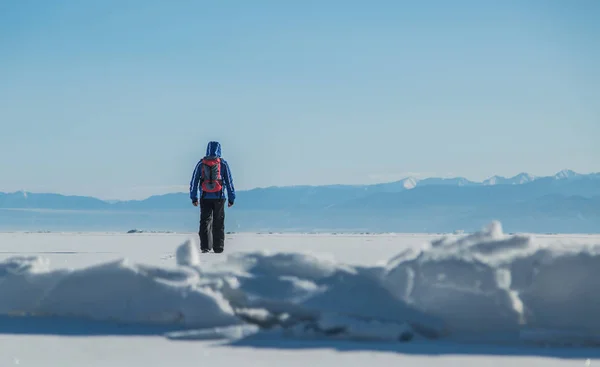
x=213 y=150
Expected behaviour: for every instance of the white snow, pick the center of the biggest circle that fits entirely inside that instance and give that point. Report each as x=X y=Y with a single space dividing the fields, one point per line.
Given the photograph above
x=188 y=254
x=566 y=174
x=485 y=287
x=519 y=179
x=227 y=332
x=409 y=183
x=489 y=282
x=111 y=291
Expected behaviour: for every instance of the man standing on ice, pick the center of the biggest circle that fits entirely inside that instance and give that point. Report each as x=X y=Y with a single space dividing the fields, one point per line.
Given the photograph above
x=211 y=177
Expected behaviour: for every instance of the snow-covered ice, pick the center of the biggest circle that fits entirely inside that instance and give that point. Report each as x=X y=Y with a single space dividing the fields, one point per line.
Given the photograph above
x=409 y=291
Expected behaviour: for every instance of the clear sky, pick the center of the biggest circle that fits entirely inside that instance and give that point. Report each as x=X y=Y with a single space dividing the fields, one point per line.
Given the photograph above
x=118 y=98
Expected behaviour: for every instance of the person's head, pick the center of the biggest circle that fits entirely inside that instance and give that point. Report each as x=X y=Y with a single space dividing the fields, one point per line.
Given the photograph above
x=213 y=149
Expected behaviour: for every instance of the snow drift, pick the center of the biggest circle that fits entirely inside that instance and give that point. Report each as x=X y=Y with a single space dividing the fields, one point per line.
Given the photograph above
x=484 y=283
x=112 y=291
x=490 y=282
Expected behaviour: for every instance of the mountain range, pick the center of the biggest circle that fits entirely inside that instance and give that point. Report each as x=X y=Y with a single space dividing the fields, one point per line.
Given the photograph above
x=565 y=202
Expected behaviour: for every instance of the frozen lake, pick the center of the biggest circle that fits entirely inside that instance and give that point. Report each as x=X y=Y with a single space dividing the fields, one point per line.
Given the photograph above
x=358 y=282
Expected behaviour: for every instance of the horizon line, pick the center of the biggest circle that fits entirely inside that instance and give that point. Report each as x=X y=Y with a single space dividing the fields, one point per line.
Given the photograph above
x=25 y=192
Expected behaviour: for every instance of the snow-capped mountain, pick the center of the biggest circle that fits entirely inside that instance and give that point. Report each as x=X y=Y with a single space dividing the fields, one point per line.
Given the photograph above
x=519 y=179
x=567 y=201
x=410 y=183
x=565 y=182
x=455 y=181
x=566 y=174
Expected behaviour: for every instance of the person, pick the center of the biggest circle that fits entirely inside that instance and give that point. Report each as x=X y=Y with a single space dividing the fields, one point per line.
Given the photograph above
x=212 y=176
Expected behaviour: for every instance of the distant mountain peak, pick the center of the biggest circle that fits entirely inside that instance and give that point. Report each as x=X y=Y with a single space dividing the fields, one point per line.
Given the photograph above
x=409 y=183
x=518 y=179
x=522 y=178
x=452 y=181
x=494 y=180
x=565 y=174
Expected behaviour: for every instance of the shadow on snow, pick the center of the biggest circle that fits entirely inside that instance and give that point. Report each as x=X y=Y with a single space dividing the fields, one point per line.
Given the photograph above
x=77 y=327
x=423 y=348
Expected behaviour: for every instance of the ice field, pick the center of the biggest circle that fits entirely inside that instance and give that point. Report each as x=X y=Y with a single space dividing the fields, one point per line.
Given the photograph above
x=145 y=299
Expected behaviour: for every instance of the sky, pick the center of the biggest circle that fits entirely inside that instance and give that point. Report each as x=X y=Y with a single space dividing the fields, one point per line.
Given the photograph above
x=118 y=98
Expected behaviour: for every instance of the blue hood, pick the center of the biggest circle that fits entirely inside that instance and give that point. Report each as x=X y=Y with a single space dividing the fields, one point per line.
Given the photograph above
x=213 y=149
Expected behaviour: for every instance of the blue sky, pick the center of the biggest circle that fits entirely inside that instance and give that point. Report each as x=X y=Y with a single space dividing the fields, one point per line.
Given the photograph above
x=118 y=98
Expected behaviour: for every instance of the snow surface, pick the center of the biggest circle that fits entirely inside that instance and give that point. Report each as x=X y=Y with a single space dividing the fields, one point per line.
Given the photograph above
x=485 y=288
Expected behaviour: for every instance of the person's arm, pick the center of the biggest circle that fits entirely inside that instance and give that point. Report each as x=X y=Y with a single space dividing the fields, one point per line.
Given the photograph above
x=194 y=183
x=228 y=181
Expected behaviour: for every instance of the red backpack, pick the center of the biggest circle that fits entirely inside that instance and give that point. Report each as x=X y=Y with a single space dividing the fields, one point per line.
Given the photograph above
x=210 y=176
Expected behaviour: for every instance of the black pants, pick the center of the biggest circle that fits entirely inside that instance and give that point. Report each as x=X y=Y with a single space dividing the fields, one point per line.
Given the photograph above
x=212 y=224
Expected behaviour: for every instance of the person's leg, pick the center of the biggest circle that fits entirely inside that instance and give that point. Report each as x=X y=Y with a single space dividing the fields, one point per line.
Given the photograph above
x=206 y=216
x=219 y=226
